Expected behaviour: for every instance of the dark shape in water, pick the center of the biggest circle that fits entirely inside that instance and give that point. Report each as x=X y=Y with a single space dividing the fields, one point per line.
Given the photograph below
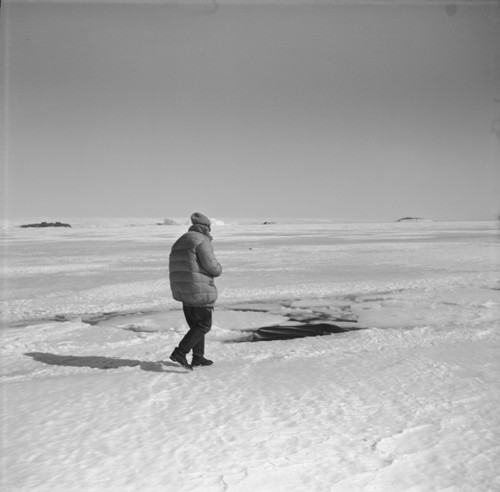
x=287 y=332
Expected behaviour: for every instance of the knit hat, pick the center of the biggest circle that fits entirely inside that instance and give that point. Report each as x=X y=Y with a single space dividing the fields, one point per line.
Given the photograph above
x=201 y=219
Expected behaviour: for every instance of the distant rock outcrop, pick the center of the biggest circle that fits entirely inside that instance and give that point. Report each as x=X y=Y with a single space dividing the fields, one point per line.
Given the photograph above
x=46 y=224
x=413 y=219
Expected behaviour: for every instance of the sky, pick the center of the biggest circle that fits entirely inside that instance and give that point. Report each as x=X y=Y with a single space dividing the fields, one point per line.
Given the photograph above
x=367 y=110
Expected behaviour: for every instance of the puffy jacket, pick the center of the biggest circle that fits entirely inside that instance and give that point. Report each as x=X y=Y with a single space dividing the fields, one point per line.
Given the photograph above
x=192 y=268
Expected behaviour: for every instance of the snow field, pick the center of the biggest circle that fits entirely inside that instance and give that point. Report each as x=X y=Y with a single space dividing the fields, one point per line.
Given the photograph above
x=408 y=404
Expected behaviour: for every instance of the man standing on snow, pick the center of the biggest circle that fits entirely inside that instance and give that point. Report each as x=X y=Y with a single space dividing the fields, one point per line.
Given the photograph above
x=193 y=267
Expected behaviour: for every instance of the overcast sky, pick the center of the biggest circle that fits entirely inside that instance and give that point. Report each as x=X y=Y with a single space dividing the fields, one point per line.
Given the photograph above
x=367 y=111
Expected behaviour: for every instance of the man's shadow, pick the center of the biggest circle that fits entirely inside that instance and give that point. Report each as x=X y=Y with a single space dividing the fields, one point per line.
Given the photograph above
x=98 y=362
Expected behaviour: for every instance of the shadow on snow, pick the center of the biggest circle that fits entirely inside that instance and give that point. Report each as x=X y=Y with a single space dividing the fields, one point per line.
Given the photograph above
x=99 y=362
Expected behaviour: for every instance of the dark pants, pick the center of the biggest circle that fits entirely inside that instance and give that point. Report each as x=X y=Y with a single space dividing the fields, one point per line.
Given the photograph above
x=199 y=320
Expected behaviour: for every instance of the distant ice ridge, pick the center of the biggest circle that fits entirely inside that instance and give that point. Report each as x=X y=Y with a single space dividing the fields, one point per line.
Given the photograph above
x=217 y=222
x=108 y=222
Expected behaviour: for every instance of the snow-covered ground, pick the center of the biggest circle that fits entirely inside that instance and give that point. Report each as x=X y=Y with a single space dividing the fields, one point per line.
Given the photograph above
x=411 y=403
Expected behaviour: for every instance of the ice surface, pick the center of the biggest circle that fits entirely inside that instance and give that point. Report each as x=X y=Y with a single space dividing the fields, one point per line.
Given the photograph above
x=409 y=404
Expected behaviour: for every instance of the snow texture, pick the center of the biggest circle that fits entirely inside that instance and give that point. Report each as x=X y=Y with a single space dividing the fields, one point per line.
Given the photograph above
x=408 y=404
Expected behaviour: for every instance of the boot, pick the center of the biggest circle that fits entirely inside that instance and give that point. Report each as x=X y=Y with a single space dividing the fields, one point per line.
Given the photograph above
x=199 y=360
x=180 y=358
